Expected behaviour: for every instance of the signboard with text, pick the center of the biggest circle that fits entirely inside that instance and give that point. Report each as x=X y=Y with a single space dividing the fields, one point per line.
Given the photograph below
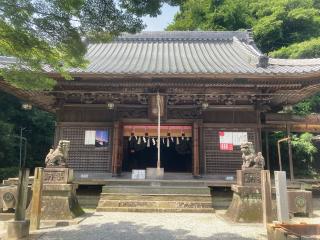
x=138 y=174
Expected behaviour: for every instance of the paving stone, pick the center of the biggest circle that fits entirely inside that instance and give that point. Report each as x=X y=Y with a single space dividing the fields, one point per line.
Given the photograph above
x=156 y=226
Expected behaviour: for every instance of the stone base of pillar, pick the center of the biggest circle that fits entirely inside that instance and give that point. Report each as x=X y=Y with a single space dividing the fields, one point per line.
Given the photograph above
x=17 y=230
x=246 y=205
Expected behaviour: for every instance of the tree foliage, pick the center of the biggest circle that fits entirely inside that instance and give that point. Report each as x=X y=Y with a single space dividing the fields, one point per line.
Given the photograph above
x=39 y=130
x=275 y=23
x=212 y=15
x=306 y=49
x=49 y=34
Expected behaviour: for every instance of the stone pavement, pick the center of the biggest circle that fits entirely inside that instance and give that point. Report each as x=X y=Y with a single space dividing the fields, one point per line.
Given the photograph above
x=154 y=226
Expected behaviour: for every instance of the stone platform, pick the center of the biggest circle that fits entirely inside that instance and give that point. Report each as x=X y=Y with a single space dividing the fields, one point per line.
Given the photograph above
x=155 y=196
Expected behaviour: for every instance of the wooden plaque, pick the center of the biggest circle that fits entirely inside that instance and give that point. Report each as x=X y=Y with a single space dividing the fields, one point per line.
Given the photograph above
x=153 y=107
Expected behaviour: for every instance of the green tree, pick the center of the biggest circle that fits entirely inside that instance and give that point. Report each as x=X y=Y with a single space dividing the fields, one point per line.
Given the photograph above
x=275 y=23
x=49 y=34
x=39 y=129
x=212 y=15
x=303 y=154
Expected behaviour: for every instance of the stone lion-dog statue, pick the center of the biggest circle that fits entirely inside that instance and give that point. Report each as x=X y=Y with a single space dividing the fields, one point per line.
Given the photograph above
x=58 y=157
x=250 y=158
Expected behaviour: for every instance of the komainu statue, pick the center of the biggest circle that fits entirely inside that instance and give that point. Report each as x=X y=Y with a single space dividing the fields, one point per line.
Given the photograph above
x=58 y=157
x=250 y=158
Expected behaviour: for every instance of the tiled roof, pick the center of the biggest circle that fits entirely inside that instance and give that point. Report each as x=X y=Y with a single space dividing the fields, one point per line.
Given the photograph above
x=186 y=53
x=180 y=53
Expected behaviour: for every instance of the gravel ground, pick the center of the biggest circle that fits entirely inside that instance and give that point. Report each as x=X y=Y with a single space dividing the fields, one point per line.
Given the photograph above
x=155 y=226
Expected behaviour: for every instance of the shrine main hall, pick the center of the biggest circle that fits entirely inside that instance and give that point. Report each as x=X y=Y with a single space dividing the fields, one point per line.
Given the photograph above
x=216 y=90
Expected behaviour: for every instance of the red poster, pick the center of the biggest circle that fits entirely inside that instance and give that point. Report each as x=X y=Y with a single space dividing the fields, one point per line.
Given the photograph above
x=225 y=141
x=226 y=146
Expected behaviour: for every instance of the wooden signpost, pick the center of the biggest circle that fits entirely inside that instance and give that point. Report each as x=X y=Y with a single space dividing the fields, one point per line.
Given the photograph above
x=266 y=197
x=35 y=213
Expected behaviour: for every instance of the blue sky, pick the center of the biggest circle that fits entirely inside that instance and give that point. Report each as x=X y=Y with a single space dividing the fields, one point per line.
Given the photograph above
x=162 y=21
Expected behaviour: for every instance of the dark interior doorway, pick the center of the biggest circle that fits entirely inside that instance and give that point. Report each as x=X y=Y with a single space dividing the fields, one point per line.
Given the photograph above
x=176 y=156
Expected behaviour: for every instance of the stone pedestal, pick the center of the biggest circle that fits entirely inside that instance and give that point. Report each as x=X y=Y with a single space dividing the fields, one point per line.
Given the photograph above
x=59 y=200
x=246 y=205
x=17 y=229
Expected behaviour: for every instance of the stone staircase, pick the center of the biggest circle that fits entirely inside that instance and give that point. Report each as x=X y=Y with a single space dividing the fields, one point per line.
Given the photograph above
x=155 y=196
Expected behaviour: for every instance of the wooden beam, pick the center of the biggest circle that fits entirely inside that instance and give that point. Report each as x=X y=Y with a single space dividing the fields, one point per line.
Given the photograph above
x=313 y=128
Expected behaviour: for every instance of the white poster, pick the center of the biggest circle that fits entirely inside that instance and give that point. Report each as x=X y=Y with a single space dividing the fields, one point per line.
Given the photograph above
x=239 y=137
x=90 y=137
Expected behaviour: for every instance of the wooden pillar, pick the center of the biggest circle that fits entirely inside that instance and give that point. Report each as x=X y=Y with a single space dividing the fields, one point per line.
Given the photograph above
x=290 y=153
x=35 y=212
x=196 y=159
x=201 y=149
x=267 y=150
x=116 y=149
x=259 y=135
x=120 y=149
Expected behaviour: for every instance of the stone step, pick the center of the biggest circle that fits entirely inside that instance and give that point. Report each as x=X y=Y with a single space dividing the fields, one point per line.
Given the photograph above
x=153 y=204
x=160 y=210
x=156 y=197
x=156 y=189
x=146 y=182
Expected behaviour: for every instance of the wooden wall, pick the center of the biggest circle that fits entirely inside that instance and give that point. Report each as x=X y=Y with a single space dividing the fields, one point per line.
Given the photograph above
x=221 y=162
x=73 y=122
x=86 y=114
x=86 y=157
x=221 y=116
x=215 y=161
